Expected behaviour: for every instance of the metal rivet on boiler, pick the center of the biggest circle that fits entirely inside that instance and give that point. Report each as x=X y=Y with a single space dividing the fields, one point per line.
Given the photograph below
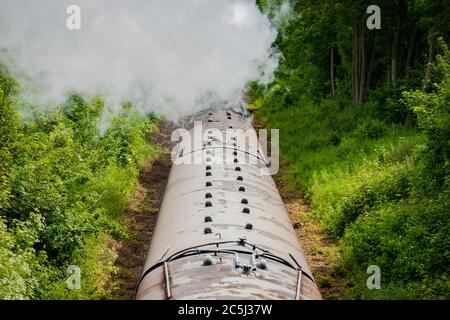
x=208 y=261
x=208 y=204
x=262 y=264
x=249 y=226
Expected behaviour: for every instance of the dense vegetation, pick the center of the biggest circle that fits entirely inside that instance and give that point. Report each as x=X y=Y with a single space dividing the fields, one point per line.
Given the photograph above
x=364 y=118
x=365 y=135
x=63 y=187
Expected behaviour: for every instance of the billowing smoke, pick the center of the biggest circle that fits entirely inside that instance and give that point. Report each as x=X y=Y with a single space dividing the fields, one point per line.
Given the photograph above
x=168 y=56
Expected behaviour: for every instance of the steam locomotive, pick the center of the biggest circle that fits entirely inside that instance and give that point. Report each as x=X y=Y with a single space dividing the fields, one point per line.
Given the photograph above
x=223 y=232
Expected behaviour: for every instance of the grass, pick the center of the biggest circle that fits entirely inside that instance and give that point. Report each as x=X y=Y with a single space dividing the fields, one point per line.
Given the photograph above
x=362 y=179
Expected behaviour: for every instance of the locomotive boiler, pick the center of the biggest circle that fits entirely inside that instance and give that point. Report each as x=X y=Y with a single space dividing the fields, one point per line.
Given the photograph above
x=222 y=230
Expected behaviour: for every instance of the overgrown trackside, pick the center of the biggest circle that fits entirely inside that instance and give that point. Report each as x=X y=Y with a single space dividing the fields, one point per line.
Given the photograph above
x=63 y=188
x=379 y=190
x=141 y=216
x=364 y=132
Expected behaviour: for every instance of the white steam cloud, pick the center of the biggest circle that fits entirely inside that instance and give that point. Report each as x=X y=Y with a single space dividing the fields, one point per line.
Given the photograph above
x=162 y=55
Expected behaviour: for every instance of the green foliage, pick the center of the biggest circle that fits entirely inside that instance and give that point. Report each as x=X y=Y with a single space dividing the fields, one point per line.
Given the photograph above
x=368 y=186
x=63 y=186
x=83 y=117
x=408 y=241
x=433 y=113
x=376 y=174
x=19 y=263
x=8 y=134
x=371 y=129
x=373 y=188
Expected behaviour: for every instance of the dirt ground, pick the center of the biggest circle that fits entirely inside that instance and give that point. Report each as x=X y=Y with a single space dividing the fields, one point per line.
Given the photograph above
x=141 y=216
x=321 y=253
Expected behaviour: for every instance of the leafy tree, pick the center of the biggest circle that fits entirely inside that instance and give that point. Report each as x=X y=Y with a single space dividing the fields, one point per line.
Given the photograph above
x=9 y=126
